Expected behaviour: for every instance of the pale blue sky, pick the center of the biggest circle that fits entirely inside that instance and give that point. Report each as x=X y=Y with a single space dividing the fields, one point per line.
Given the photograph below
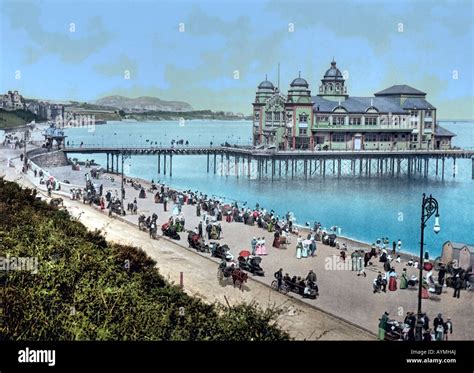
x=198 y=65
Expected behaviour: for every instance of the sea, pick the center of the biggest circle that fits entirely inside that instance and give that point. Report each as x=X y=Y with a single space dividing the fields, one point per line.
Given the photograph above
x=363 y=209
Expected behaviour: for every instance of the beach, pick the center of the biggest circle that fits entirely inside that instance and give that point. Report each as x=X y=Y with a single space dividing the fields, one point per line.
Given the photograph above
x=347 y=308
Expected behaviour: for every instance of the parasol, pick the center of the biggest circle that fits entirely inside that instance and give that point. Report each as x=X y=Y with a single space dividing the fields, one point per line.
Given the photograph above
x=244 y=253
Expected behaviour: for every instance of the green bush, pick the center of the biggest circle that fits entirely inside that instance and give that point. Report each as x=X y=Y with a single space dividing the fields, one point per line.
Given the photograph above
x=88 y=289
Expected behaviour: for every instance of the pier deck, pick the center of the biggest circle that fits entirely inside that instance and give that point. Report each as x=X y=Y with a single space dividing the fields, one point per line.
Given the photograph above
x=246 y=161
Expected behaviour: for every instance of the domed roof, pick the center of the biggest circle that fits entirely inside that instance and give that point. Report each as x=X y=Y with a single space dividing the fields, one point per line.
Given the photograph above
x=266 y=84
x=333 y=72
x=299 y=82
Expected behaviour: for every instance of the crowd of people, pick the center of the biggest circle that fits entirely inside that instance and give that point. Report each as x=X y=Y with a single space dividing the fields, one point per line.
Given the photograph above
x=439 y=330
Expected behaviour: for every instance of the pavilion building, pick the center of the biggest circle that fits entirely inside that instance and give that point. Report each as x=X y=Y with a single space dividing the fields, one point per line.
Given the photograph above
x=396 y=118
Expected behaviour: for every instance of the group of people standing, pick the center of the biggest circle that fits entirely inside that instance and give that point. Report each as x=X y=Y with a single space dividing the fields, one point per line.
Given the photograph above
x=406 y=331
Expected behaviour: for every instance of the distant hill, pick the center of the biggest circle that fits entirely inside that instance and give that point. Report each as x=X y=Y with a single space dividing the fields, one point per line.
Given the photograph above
x=141 y=104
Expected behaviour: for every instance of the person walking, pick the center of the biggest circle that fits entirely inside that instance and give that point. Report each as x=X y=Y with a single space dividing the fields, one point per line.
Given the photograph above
x=394 y=247
x=200 y=229
x=404 y=279
x=311 y=276
x=457 y=286
x=253 y=244
x=438 y=325
x=354 y=261
x=313 y=247
x=399 y=245
x=392 y=282
x=279 y=277
x=448 y=328
x=299 y=248
x=383 y=326
x=441 y=275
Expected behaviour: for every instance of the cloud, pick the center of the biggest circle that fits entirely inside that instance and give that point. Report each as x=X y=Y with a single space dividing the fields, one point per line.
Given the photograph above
x=71 y=49
x=118 y=67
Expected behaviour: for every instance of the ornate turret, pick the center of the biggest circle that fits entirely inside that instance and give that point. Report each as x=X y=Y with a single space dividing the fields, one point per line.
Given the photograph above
x=299 y=91
x=332 y=85
x=265 y=90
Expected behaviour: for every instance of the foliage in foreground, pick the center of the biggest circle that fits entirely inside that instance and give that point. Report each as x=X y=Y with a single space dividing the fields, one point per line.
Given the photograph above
x=83 y=289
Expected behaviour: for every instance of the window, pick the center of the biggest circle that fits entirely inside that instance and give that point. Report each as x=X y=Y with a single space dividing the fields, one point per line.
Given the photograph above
x=321 y=118
x=384 y=137
x=338 y=137
x=428 y=124
x=288 y=131
x=257 y=115
x=302 y=131
x=370 y=137
x=276 y=116
x=414 y=113
x=338 y=120
x=355 y=121
x=303 y=118
x=414 y=137
x=371 y=121
x=428 y=113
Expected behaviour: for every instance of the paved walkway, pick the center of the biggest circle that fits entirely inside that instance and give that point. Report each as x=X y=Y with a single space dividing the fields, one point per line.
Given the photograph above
x=342 y=292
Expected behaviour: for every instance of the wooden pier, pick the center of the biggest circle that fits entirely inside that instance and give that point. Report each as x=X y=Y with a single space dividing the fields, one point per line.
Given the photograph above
x=272 y=164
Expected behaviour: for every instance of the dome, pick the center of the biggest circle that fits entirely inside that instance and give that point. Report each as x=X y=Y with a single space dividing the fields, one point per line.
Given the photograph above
x=333 y=72
x=299 y=82
x=266 y=85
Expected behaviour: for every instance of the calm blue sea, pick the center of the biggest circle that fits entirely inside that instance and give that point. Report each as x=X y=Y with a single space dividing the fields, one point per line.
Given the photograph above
x=365 y=209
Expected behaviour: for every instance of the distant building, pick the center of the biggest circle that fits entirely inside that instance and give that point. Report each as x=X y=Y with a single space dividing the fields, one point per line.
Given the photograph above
x=396 y=118
x=462 y=253
x=46 y=110
x=12 y=101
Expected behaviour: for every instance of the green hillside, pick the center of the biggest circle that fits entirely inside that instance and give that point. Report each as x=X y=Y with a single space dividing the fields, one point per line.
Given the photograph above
x=15 y=118
x=88 y=289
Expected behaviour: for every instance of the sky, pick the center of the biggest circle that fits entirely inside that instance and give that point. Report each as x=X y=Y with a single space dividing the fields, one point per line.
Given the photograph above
x=213 y=54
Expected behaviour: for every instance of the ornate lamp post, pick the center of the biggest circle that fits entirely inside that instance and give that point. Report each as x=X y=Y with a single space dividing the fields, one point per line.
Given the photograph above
x=429 y=207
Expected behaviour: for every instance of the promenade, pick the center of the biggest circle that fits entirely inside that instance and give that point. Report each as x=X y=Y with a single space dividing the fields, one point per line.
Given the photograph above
x=342 y=293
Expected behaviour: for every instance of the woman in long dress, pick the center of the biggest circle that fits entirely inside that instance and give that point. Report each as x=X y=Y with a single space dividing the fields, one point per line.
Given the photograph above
x=261 y=250
x=424 y=290
x=404 y=279
x=305 y=249
x=392 y=282
x=299 y=247
x=276 y=240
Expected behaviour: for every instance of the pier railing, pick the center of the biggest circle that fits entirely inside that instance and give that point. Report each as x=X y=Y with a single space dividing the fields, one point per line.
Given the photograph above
x=258 y=163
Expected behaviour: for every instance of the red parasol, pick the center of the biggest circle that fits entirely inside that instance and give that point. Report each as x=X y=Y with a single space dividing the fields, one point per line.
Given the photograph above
x=427 y=266
x=244 y=253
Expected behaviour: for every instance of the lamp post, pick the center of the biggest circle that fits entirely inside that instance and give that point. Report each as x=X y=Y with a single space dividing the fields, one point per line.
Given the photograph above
x=124 y=156
x=429 y=207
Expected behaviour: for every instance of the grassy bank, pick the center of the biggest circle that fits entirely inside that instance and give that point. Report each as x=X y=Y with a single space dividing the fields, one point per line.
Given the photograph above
x=16 y=118
x=88 y=289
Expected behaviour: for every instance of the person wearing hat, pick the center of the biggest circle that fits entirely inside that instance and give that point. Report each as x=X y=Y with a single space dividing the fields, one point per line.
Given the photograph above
x=438 y=325
x=383 y=326
x=448 y=328
x=253 y=244
x=404 y=279
x=457 y=286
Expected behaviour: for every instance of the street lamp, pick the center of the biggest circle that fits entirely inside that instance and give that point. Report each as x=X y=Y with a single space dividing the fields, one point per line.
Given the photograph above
x=429 y=207
x=124 y=156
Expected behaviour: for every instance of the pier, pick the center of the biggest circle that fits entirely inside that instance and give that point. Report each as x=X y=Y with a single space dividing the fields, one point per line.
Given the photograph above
x=273 y=164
